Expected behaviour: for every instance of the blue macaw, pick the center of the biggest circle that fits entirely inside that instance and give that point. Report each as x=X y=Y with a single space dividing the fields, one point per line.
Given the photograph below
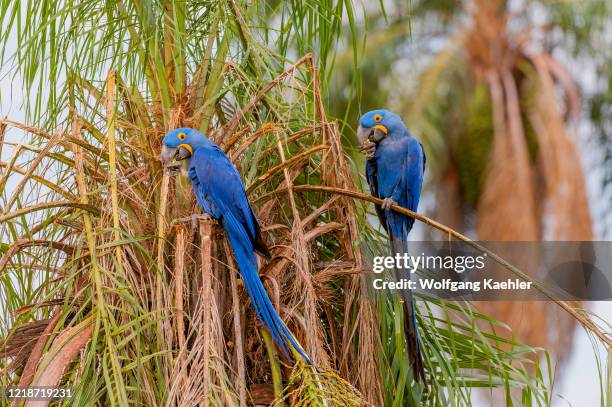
x=394 y=170
x=220 y=193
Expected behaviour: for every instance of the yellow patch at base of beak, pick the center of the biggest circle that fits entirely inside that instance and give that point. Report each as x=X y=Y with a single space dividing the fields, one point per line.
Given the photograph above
x=381 y=128
x=188 y=147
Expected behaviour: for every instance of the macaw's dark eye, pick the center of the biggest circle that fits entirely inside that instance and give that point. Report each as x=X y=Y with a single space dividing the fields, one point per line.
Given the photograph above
x=377 y=117
x=182 y=136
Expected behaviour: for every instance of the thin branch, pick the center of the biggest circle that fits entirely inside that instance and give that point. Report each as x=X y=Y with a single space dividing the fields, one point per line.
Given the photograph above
x=48 y=205
x=33 y=166
x=574 y=311
x=9 y=166
x=41 y=180
x=25 y=242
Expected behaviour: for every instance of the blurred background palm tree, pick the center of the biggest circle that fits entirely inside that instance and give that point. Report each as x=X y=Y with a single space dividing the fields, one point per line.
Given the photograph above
x=485 y=86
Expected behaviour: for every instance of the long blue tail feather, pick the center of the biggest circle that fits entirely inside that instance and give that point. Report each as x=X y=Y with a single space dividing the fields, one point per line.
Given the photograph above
x=247 y=263
x=410 y=322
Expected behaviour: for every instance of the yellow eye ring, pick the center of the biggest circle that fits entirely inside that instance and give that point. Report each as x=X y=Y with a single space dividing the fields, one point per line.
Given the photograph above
x=181 y=136
x=377 y=117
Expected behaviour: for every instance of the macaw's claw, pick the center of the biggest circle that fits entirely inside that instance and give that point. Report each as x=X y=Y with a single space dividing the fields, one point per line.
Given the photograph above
x=173 y=169
x=386 y=204
x=368 y=148
x=192 y=218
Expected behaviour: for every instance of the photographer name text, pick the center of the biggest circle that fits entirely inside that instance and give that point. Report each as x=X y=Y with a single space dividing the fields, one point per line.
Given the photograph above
x=451 y=285
x=457 y=264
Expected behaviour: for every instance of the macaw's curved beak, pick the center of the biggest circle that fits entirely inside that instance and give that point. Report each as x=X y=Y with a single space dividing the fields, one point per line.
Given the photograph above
x=374 y=134
x=362 y=134
x=167 y=155
x=171 y=157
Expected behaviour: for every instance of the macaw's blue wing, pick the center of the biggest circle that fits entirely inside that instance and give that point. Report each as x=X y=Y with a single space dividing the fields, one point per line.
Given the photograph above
x=220 y=192
x=222 y=183
x=414 y=169
x=397 y=172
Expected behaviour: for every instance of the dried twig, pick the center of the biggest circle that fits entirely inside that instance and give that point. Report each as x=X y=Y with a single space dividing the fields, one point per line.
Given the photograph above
x=566 y=305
